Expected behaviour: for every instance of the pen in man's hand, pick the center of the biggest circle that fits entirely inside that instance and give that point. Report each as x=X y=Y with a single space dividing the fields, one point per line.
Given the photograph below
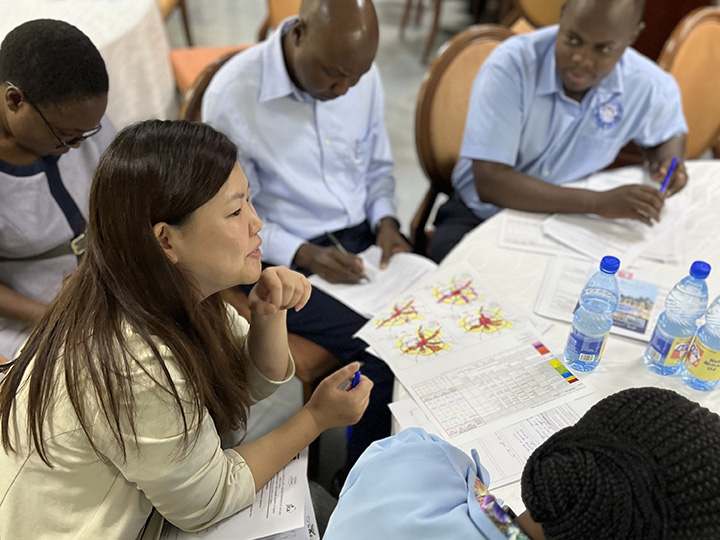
x=342 y=250
x=668 y=176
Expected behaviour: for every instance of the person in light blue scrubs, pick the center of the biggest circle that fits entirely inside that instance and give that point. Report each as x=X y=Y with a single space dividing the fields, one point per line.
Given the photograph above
x=642 y=464
x=557 y=105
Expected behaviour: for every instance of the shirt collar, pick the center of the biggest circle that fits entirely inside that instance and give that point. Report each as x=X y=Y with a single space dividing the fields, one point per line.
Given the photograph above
x=549 y=79
x=275 y=81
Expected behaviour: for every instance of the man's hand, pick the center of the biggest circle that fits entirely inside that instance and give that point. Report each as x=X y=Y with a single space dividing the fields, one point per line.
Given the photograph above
x=658 y=170
x=330 y=263
x=390 y=240
x=279 y=289
x=643 y=203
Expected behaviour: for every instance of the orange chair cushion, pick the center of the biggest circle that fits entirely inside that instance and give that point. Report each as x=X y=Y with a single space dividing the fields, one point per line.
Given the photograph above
x=189 y=63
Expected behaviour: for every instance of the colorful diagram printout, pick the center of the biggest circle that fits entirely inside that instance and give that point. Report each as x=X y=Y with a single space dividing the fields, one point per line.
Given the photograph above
x=459 y=291
x=401 y=313
x=485 y=321
x=422 y=342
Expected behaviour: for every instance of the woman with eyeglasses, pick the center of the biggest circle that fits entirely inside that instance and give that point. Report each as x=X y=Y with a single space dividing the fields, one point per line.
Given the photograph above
x=117 y=402
x=54 y=86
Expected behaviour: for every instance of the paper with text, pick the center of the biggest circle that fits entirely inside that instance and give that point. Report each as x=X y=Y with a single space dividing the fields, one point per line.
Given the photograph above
x=627 y=239
x=470 y=360
x=505 y=451
x=641 y=301
x=279 y=509
x=367 y=297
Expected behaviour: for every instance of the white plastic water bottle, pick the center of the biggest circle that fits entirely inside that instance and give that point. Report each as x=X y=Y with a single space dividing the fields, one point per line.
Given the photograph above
x=702 y=366
x=684 y=305
x=593 y=318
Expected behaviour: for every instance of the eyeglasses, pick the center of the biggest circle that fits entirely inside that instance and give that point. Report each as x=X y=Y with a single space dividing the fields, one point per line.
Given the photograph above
x=62 y=143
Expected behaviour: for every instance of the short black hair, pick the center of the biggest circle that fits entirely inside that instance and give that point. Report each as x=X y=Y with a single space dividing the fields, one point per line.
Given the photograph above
x=53 y=62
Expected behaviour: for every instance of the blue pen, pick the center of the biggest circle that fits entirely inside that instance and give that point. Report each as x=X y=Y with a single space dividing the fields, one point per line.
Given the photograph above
x=668 y=176
x=353 y=383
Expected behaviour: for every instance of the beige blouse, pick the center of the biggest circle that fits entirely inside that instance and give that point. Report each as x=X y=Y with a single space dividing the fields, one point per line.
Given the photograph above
x=85 y=497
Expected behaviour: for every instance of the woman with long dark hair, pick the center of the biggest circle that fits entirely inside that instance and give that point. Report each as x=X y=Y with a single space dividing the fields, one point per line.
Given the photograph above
x=117 y=400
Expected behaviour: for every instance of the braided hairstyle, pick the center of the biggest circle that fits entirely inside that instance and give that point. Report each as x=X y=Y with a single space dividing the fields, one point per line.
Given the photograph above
x=642 y=464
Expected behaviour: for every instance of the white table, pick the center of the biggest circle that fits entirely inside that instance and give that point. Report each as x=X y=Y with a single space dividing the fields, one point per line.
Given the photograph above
x=130 y=36
x=518 y=275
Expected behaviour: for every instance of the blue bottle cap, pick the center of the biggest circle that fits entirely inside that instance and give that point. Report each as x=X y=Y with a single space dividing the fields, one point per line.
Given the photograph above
x=609 y=264
x=700 y=270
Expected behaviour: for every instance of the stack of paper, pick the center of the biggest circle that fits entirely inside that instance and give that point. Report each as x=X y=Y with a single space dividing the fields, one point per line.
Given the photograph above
x=475 y=367
x=641 y=300
x=368 y=296
x=588 y=236
x=282 y=511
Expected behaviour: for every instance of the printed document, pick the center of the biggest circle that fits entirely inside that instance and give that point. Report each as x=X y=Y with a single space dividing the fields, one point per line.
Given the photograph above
x=468 y=359
x=641 y=300
x=368 y=296
x=282 y=510
x=505 y=451
x=626 y=239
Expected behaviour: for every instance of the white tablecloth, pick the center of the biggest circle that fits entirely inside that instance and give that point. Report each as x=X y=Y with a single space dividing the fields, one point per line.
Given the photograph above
x=518 y=275
x=130 y=36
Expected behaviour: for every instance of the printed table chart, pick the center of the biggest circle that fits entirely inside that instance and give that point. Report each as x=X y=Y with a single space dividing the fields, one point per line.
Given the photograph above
x=517 y=277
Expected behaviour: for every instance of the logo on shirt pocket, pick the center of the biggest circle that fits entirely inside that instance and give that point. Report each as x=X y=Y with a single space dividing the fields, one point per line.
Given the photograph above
x=608 y=114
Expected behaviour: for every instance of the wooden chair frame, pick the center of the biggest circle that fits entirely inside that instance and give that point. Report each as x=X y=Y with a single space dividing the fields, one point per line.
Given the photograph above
x=276 y=14
x=679 y=35
x=439 y=174
x=191 y=106
x=186 y=23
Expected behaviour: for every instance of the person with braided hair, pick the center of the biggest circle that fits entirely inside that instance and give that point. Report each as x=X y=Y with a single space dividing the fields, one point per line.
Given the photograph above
x=642 y=464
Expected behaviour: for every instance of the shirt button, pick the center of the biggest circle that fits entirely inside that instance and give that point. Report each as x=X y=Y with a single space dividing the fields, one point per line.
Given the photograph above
x=327 y=141
x=546 y=173
x=330 y=179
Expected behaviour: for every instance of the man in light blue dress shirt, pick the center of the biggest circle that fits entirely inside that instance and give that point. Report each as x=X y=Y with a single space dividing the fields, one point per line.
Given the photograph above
x=557 y=105
x=305 y=110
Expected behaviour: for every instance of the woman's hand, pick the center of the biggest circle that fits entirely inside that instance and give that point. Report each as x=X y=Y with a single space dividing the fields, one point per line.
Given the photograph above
x=279 y=289
x=332 y=406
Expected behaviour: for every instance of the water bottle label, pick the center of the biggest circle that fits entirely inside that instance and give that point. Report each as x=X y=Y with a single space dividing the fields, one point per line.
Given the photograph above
x=703 y=362
x=667 y=350
x=586 y=348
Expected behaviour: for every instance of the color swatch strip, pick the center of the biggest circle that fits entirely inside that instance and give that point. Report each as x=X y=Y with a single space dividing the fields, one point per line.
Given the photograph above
x=562 y=370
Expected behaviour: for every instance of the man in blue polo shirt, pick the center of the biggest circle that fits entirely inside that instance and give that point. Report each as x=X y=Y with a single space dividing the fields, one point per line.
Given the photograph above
x=557 y=105
x=305 y=110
